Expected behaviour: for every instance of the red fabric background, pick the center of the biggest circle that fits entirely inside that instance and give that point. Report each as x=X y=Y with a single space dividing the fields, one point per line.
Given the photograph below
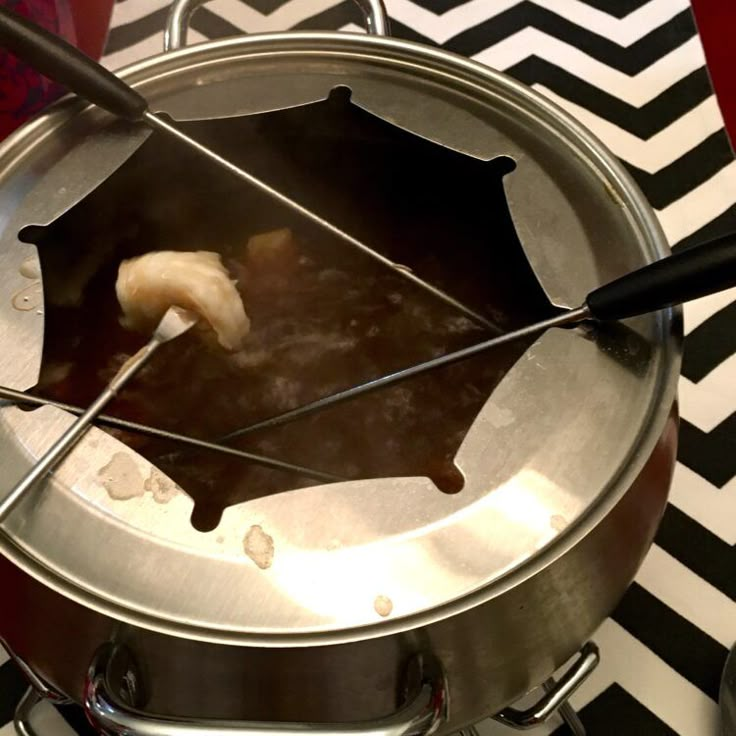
x=91 y=19
x=716 y=21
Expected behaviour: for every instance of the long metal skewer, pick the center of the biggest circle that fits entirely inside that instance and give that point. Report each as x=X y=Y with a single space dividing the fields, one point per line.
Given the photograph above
x=155 y=121
x=569 y=317
x=174 y=323
x=18 y=397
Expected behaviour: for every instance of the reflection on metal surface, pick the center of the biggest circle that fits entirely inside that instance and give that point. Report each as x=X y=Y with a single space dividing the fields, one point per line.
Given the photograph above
x=523 y=500
x=556 y=696
x=622 y=344
x=566 y=711
x=422 y=715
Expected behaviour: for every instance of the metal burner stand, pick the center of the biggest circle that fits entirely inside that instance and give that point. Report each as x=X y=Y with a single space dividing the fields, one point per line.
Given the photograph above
x=555 y=700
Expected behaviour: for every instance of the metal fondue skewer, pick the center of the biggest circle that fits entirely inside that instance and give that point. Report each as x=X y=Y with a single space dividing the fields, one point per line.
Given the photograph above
x=389 y=379
x=62 y=62
x=173 y=324
x=18 y=397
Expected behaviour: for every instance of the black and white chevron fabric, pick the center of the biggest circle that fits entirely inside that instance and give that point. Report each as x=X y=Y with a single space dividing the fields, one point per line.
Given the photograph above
x=632 y=71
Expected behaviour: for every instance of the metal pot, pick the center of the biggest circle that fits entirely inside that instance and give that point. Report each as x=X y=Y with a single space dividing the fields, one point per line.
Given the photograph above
x=402 y=609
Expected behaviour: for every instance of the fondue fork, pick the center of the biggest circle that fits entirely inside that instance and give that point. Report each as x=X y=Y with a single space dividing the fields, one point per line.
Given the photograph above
x=62 y=62
x=688 y=275
x=20 y=398
x=173 y=324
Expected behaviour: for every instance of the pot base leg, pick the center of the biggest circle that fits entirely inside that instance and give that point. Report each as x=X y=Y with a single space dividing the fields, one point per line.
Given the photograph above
x=37 y=692
x=23 y=712
x=567 y=713
x=556 y=696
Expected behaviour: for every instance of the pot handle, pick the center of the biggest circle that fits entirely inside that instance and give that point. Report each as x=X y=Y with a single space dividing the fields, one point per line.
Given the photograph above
x=556 y=695
x=180 y=15
x=420 y=716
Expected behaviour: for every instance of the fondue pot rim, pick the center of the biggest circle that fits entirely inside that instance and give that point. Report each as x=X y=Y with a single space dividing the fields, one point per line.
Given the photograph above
x=665 y=327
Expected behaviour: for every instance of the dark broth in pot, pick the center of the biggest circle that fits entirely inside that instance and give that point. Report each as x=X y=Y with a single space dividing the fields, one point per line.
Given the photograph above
x=324 y=317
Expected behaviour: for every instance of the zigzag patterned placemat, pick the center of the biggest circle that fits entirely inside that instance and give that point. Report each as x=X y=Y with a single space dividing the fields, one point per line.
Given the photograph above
x=632 y=71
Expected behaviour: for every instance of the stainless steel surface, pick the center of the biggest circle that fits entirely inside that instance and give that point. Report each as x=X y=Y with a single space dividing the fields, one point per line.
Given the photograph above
x=181 y=12
x=40 y=200
x=567 y=713
x=376 y=17
x=23 y=399
x=492 y=651
x=174 y=323
x=727 y=696
x=519 y=483
x=158 y=123
x=639 y=414
x=555 y=696
x=566 y=318
x=421 y=715
x=566 y=468
x=24 y=712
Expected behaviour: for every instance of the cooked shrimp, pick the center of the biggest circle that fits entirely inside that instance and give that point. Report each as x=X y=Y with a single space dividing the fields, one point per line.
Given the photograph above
x=148 y=285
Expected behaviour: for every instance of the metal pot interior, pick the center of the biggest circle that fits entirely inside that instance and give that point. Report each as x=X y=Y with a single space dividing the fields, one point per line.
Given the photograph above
x=540 y=440
x=324 y=316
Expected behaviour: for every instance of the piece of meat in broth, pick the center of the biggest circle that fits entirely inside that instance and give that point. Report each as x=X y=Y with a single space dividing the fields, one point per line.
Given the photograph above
x=198 y=281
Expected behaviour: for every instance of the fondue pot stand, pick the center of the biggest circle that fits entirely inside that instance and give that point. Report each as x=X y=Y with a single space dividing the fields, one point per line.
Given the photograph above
x=381 y=605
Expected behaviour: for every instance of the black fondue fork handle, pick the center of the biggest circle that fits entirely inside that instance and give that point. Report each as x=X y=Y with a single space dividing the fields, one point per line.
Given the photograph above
x=65 y=64
x=687 y=275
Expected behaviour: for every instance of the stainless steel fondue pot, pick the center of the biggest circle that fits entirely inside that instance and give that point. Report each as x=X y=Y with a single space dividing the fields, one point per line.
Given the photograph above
x=376 y=605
